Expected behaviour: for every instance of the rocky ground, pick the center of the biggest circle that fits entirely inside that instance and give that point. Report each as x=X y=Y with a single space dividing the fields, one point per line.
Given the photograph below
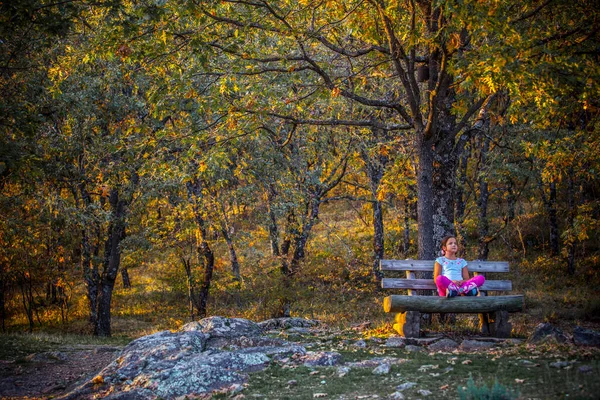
x=295 y=358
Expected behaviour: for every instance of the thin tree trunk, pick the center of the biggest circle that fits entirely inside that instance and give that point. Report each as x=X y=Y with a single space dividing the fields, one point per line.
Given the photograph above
x=125 y=277
x=406 y=224
x=273 y=230
x=112 y=260
x=3 y=286
x=553 y=219
x=572 y=244
x=204 y=250
x=192 y=297
x=235 y=264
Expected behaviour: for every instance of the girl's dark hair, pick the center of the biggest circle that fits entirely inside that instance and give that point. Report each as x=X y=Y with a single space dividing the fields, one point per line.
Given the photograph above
x=444 y=241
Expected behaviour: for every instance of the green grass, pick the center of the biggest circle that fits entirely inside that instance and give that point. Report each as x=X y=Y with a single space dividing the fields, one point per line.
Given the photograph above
x=446 y=375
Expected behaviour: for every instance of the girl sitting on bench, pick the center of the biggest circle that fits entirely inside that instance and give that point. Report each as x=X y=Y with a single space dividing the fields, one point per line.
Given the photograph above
x=451 y=274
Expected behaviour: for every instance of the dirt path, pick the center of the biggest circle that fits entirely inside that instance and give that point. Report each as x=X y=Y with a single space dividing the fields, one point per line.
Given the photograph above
x=53 y=373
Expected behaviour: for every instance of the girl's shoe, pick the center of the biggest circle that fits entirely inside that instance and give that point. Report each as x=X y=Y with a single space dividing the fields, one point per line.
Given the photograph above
x=472 y=292
x=451 y=293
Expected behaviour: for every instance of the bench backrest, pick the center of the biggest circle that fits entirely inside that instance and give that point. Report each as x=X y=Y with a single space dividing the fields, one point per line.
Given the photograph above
x=411 y=266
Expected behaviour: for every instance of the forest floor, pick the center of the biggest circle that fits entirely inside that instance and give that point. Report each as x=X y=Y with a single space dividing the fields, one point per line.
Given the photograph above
x=53 y=367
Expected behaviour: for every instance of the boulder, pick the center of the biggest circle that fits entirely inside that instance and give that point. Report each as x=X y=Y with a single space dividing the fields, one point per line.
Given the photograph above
x=443 y=345
x=395 y=342
x=188 y=363
x=546 y=332
x=586 y=337
x=321 y=359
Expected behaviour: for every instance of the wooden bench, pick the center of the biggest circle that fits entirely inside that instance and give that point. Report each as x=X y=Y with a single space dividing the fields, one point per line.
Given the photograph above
x=493 y=310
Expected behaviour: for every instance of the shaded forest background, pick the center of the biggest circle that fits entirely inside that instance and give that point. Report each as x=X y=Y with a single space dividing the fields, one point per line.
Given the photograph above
x=161 y=161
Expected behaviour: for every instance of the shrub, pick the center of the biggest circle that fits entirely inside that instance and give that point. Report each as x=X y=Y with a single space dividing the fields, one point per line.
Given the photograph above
x=496 y=392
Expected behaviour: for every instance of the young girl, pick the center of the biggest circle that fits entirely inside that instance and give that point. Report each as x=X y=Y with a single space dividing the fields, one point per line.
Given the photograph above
x=451 y=274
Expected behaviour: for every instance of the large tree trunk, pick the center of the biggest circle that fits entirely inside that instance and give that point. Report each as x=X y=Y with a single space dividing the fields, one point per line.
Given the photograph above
x=112 y=261
x=425 y=199
x=444 y=176
x=482 y=203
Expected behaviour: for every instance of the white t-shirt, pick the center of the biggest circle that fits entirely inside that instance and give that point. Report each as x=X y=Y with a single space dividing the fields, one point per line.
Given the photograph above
x=452 y=269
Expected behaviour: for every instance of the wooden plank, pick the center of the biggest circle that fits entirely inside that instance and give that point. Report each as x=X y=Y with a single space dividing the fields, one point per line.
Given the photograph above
x=461 y=304
x=416 y=284
x=409 y=276
x=427 y=265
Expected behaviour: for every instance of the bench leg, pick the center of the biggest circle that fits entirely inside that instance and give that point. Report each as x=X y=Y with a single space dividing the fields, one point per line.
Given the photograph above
x=500 y=326
x=408 y=324
x=495 y=324
x=484 y=324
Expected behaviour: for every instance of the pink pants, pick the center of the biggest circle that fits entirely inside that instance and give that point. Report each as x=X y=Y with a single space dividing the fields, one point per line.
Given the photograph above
x=444 y=283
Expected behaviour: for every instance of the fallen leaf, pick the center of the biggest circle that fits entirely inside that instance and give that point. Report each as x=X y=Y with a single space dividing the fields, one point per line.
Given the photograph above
x=519 y=380
x=98 y=379
x=467 y=362
x=444 y=387
x=319 y=395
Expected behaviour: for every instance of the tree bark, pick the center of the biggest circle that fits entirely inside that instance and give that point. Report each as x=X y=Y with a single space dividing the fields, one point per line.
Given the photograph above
x=435 y=304
x=375 y=169
x=572 y=244
x=425 y=203
x=126 y=278
x=235 y=265
x=482 y=203
x=112 y=261
x=550 y=206
x=203 y=248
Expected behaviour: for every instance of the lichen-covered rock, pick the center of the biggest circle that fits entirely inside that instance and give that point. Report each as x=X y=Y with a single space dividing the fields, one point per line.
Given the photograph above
x=443 y=345
x=395 y=342
x=322 y=359
x=546 y=332
x=586 y=337
x=218 y=327
x=287 y=323
x=184 y=363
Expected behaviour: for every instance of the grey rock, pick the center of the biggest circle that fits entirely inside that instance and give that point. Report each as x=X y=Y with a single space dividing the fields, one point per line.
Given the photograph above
x=382 y=369
x=321 y=359
x=396 y=396
x=586 y=369
x=424 y=392
x=360 y=344
x=50 y=356
x=413 y=348
x=422 y=341
x=287 y=323
x=443 y=345
x=397 y=342
x=406 y=385
x=560 y=364
x=474 y=345
x=586 y=337
x=546 y=332
x=228 y=327
x=343 y=371
x=184 y=363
